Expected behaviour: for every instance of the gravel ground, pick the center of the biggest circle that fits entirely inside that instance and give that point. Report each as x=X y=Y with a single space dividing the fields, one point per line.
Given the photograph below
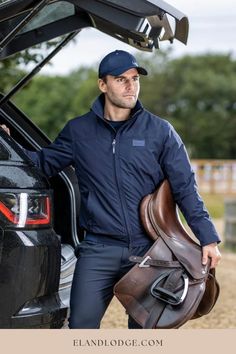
x=223 y=314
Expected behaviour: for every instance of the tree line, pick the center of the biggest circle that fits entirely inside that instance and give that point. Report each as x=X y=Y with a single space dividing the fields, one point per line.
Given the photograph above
x=195 y=93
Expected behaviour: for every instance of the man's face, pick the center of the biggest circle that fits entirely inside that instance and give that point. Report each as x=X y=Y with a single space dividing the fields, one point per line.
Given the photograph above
x=121 y=91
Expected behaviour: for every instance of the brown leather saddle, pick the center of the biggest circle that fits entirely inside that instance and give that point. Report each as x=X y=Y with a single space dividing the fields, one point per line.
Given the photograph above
x=169 y=285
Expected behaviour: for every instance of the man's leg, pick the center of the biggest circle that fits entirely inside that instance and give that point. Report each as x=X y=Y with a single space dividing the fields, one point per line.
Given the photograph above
x=126 y=266
x=132 y=324
x=92 y=288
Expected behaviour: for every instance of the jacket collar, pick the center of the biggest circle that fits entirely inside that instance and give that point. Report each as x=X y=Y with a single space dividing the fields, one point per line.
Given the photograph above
x=98 y=107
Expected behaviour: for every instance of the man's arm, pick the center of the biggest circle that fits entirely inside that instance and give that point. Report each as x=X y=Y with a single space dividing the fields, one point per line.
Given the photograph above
x=55 y=156
x=176 y=166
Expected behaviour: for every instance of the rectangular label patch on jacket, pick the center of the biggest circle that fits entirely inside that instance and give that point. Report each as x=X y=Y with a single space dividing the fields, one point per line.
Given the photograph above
x=138 y=142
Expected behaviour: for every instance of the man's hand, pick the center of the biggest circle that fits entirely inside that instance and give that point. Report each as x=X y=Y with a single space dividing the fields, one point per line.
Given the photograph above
x=211 y=251
x=4 y=127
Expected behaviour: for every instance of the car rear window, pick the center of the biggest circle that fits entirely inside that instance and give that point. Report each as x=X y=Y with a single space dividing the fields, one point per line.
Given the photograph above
x=50 y=13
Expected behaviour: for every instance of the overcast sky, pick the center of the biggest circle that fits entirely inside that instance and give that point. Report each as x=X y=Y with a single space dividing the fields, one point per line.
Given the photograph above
x=212 y=29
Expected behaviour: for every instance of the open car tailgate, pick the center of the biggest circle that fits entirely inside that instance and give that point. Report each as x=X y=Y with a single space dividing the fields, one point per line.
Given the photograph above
x=24 y=23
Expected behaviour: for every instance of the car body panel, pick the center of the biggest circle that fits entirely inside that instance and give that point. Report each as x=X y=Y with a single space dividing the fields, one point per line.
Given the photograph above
x=36 y=264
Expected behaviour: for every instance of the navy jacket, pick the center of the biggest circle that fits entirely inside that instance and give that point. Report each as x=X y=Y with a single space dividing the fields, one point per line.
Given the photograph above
x=116 y=170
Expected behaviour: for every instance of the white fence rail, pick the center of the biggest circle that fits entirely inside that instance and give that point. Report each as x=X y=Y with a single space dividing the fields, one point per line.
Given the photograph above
x=215 y=176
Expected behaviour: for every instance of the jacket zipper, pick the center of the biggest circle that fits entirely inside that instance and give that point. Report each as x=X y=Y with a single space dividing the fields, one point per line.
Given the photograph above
x=114 y=146
x=122 y=200
x=114 y=142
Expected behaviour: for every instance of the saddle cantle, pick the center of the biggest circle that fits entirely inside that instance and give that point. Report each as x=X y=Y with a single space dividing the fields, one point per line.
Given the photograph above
x=169 y=285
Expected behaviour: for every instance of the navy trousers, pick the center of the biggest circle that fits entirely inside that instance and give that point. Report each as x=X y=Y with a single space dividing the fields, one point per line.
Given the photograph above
x=99 y=267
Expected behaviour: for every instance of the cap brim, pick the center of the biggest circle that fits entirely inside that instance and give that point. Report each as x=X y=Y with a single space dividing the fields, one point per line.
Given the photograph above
x=142 y=71
x=123 y=69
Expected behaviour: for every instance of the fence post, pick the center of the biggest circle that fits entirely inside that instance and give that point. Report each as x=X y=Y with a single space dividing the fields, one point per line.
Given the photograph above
x=230 y=223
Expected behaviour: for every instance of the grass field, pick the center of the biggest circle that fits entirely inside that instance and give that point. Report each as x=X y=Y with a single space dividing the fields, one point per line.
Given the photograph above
x=214 y=204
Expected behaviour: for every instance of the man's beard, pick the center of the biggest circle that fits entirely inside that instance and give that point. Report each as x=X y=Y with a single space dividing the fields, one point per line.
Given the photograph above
x=122 y=102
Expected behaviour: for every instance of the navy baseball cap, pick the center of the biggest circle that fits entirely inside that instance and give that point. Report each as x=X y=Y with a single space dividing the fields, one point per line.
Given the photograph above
x=117 y=62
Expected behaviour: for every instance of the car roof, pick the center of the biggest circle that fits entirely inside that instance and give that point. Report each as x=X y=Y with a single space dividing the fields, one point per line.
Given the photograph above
x=25 y=23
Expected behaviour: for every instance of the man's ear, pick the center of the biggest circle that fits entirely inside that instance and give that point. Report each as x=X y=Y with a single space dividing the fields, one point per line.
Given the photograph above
x=102 y=85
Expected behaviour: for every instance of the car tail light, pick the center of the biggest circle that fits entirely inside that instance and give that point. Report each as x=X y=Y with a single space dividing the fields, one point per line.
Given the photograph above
x=23 y=209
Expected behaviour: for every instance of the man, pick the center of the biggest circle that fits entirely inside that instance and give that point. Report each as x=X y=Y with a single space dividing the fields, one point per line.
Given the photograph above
x=120 y=152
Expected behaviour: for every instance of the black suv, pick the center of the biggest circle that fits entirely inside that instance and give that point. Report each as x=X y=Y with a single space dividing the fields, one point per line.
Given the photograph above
x=39 y=218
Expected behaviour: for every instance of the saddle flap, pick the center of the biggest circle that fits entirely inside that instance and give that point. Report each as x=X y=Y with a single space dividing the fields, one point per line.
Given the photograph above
x=189 y=255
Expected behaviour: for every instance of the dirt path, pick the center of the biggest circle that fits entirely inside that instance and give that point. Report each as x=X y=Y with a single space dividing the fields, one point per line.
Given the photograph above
x=222 y=316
